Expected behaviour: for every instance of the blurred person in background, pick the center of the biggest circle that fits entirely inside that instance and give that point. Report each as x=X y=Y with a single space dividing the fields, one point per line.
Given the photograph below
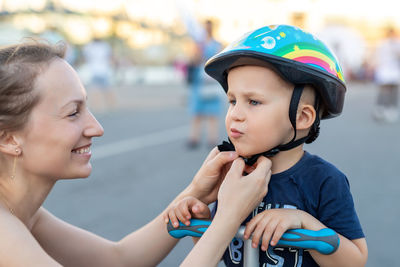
x=98 y=58
x=387 y=77
x=205 y=102
x=46 y=132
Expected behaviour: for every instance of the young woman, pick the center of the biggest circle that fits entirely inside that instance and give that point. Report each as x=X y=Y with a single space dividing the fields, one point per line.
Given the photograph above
x=45 y=136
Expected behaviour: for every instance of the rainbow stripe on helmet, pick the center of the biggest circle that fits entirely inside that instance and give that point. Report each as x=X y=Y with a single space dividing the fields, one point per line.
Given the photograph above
x=291 y=43
x=313 y=56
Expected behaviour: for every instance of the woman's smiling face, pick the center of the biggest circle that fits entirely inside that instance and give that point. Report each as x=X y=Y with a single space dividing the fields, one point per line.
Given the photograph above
x=56 y=140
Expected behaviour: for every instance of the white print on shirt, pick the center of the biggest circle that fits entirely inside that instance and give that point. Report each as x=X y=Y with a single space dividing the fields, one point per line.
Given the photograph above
x=278 y=261
x=234 y=250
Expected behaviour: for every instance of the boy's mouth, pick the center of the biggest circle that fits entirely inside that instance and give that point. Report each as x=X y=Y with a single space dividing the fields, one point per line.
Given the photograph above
x=234 y=133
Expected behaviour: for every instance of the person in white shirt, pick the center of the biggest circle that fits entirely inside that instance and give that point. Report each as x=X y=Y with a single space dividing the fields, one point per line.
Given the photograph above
x=387 y=76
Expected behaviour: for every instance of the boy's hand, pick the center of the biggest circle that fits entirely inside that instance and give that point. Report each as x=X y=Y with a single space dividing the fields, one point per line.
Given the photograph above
x=271 y=224
x=206 y=183
x=184 y=210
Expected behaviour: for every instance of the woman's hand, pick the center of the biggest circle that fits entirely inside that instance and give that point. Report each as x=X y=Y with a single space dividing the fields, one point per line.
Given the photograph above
x=238 y=194
x=206 y=182
x=237 y=197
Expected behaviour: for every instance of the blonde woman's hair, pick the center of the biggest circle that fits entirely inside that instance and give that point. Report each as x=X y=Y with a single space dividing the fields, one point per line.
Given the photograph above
x=20 y=64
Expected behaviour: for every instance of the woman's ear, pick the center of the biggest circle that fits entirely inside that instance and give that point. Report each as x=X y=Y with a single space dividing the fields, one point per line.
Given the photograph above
x=8 y=144
x=306 y=116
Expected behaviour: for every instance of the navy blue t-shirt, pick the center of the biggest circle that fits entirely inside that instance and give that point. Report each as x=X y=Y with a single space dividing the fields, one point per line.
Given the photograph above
x=316 y=187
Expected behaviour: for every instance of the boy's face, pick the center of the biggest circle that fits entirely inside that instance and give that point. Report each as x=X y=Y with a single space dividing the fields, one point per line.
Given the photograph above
x=258 y=116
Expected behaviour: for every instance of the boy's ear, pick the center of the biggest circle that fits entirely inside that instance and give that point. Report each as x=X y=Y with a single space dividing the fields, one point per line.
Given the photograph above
x=9 y=144
x=306 y=116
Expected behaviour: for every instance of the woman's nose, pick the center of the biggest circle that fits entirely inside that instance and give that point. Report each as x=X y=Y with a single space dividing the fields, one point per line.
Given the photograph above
x=93 y=128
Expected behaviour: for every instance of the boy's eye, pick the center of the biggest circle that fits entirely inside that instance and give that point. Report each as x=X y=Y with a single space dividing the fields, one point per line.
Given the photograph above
x=254 y=102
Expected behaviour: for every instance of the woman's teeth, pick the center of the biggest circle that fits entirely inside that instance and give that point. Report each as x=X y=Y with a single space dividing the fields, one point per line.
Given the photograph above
x=82 y=150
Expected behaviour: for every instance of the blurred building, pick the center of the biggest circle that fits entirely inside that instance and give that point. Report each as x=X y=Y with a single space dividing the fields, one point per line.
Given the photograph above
x=150 y=32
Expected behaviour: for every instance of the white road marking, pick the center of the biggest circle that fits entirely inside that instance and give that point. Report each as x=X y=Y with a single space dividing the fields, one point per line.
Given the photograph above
x=135 y=143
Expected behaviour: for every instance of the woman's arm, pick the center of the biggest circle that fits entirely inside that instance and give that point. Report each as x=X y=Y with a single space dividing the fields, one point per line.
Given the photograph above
x=209 y=249
x=237 y=197
x=72 y=246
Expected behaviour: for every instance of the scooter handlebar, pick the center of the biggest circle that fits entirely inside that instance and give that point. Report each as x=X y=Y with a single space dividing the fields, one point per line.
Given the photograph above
x=325 y=241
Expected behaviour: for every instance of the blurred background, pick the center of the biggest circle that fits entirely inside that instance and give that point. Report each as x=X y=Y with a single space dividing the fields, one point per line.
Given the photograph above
x=154 y=33
x=138 y=61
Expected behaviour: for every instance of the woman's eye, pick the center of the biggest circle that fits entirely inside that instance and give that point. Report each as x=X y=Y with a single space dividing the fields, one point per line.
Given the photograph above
x=254 y=102
x=73 y=114
x=232 y=102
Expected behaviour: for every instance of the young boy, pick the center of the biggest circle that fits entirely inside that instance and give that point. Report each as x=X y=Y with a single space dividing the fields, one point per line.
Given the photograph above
x=280 y=81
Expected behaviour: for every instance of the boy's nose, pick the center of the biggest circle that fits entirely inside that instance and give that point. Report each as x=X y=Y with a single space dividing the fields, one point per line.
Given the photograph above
x=237 y=113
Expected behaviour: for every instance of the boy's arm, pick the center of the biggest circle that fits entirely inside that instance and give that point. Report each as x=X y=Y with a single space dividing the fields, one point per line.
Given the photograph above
x=352 y=253
x=271 y=224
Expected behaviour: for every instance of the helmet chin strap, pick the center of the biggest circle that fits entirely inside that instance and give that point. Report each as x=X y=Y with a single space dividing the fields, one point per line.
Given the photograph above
x=294 y=103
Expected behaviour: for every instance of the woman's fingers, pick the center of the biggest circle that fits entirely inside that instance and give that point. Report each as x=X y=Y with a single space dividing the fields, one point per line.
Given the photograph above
x=249 y=169
x=212 y=154
x=222 y=158
x=262 y=167
x=262 y=173
x=237 y=168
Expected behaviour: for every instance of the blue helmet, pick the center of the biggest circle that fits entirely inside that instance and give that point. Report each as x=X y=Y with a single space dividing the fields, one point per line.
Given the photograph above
x=298 y=56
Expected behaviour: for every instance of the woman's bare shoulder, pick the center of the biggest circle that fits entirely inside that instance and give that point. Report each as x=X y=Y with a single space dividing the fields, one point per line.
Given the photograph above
x=17 y=245
x=10 y=224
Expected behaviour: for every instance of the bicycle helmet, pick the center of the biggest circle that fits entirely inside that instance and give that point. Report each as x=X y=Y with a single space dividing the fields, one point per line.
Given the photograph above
x=299 y=57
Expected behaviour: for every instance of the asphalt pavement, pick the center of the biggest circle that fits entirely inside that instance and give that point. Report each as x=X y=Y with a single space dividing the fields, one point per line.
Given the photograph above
x=141 y=163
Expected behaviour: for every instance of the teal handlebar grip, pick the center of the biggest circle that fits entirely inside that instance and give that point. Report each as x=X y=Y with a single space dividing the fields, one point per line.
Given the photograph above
x=325 y=241
x=195 y=229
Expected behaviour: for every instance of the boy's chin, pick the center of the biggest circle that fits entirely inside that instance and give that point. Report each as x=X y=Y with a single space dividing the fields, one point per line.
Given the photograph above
x=248 y=153
x=245 y=151
x=245 y=154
